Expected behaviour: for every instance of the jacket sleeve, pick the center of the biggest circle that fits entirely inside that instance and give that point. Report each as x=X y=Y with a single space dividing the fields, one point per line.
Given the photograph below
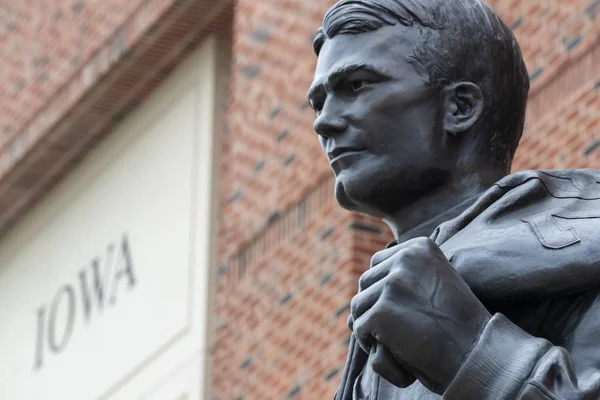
x=507 y=363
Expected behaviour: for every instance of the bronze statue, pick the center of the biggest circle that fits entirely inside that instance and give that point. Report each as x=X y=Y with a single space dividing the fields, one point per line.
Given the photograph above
x=491 y=289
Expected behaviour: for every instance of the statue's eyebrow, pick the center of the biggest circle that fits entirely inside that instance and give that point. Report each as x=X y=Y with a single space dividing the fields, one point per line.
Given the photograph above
x=340 y=74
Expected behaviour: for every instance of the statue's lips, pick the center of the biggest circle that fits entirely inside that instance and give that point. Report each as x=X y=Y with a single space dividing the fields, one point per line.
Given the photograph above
x=344 y=153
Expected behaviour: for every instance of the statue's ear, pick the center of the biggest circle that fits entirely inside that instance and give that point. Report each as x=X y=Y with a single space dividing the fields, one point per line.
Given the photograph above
x=463 y=106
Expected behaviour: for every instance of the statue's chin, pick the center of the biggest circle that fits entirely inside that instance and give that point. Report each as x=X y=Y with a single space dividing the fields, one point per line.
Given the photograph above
x=341 y=195
x=354 y=197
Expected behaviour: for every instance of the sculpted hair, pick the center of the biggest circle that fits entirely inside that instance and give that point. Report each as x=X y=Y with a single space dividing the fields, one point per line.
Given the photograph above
x=461 y=40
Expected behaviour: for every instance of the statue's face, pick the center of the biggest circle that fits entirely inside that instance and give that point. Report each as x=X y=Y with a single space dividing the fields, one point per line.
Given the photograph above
x=379 y=123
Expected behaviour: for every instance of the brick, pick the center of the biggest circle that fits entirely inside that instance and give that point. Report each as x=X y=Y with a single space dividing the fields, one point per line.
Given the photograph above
x=592 y=148
x=313 y=259
x=261 y=34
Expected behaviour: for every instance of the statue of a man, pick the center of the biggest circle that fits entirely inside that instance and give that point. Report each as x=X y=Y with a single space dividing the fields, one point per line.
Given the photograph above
x=491 y=289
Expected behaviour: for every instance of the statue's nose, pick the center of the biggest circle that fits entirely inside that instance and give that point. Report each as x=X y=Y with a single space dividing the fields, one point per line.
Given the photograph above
x=330 y=122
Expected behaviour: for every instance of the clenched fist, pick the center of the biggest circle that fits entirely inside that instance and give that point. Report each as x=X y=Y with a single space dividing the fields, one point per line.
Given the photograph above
x=416 y=315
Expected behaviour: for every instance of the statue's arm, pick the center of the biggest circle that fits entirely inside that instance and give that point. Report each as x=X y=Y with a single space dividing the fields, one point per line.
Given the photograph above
x=508 y=362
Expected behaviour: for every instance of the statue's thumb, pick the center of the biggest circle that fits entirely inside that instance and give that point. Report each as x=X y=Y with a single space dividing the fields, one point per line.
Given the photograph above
x=386 y=366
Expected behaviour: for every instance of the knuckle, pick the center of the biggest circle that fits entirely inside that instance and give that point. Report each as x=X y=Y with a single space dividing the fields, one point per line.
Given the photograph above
x=362 y=281
x=405 y=259
x=419 y=248
x=396 y=278
x=401 y=280
x=426 y=243
x=423 y=241
x=380 y=311
x=377 y=258
x=354 y=306
x=398 y=274
x=373 y=260
x=419 y=243
x=410 y=253
x=360 y=330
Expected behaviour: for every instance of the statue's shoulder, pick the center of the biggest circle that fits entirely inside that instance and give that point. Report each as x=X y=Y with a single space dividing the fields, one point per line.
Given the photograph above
x=561 y=207
x=545 y=200
x=527 y=224
x=567 y=183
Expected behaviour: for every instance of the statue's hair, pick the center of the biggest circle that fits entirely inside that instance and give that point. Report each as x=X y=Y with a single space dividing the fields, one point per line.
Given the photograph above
x=461 y=40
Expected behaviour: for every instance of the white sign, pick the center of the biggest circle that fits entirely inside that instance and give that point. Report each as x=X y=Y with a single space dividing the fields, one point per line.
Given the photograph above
x=103 y=286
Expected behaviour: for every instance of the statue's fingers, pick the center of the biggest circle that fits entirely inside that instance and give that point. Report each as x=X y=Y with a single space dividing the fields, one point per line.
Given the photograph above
x=375 y=274
x=385 y=365
x=363 y=328
x=366 y=299
x=384 y=254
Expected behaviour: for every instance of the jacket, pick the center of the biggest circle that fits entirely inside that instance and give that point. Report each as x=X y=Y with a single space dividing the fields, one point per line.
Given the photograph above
x=529 y=249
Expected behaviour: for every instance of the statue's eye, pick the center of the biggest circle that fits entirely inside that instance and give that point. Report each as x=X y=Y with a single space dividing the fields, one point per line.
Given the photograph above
x=357 y=85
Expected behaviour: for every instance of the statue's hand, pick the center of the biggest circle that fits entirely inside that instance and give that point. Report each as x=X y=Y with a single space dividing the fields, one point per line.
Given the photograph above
x=418 y=307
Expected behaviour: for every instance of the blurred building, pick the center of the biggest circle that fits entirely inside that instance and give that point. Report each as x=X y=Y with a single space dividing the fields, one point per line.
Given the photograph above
x=168 y=229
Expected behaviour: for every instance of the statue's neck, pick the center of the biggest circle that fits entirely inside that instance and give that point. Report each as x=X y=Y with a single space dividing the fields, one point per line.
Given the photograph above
x=424 y=215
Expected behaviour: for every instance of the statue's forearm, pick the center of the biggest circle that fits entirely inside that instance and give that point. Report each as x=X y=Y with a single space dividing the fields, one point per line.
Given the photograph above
x=508 y=363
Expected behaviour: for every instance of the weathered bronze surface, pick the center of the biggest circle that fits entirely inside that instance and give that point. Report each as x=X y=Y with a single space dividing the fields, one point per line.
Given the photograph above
x=491 y=289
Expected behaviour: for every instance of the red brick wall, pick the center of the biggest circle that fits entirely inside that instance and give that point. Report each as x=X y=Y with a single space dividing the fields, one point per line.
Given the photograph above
x=288 y=256
x=45 y=44
x=72 y=70
x=560 y=43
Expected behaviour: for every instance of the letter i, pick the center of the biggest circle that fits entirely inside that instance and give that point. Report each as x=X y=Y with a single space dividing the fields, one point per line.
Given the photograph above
x=41 y=315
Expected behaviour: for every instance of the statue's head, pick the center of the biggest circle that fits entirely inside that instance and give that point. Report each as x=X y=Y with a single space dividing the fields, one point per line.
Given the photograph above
x=412 y=95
